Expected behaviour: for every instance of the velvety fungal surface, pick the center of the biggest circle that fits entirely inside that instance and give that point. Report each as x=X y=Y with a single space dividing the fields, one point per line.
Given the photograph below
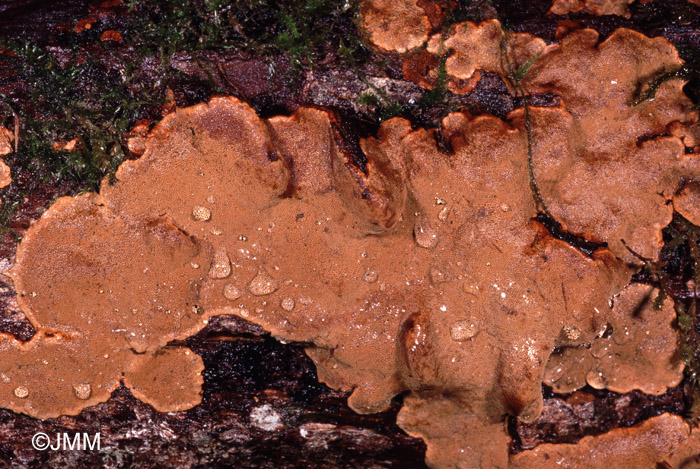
x=424 y=273
x=394 y=25
x=593 y=7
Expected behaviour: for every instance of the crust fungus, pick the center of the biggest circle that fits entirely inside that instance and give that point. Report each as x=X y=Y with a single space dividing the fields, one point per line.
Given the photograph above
x=613 y=173
x=423 y=272
x=6 y=139
x=471 y=49
x=637 y=349
x=592 y=7
x=663 y=441
x=481 y=47
x=470 y=306
x=394 y=25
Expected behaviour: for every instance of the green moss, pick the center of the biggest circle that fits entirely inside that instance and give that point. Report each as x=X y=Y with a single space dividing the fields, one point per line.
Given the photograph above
x=647 y=91
x=302 y=29
x=438 y=94
x=83 y=101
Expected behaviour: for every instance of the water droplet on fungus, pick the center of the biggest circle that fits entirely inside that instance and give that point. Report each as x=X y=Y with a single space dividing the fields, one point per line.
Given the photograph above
x=136 y=342
x=436 y=276
x=426 y=236
x=287 y=304
x=231 y=292
x=262 y=284
x=22 y=392
x=200 y=213
x=82 y=390
x=553 y=375
x=370 y=276
x=463 y=330
x=221 y=265
x=600 y=348
x=596 y=379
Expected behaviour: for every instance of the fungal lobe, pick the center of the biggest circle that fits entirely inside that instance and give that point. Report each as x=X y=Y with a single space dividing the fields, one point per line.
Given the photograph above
x=595 y=7
x=394 y=25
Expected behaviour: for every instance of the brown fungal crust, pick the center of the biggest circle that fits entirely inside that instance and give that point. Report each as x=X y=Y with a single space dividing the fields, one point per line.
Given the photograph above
x=39 y=377
x=636 y=350
x=593 y=7
x=424 y=273
x=304 y=240
x=394 y=25
x=169 y=379
x=687 y=202
x=473 y=47
x=6 y=147
x=610 y=158
x=663 y=441
x=6 y=139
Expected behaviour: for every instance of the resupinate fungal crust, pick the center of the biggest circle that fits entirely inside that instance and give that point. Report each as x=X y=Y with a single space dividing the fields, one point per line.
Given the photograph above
x=424 y=273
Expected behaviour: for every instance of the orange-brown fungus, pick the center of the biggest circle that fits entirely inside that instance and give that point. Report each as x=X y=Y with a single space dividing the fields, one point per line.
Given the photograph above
x=663 y=441
x=635 y=350
x=611 y=176
x=424 y=274
x=473 y=48
x=394 y=25
x=593 y=7
x=6 y=142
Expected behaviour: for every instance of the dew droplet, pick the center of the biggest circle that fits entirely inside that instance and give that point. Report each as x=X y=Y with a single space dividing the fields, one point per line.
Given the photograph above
x=436 y=276
x=463 y=330
x=600 y=348
x=571 y=332
x=200 y=213
x=82 y=390
x=426 y=236
x=552 y=375
x=305 y=300
x=221 y=265
x=262 y=284
x=287 y=304
x=596 y=379
x=137 y=344
x=22 y=392
x=370 y=276
x=231 y=292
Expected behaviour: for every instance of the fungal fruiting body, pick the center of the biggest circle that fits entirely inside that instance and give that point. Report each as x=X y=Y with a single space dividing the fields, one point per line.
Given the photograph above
x=423 y=272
